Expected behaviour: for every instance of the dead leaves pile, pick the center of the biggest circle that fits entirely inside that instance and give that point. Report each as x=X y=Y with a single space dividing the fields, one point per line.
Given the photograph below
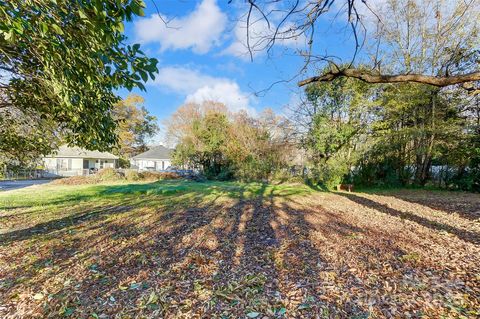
x=322 y=256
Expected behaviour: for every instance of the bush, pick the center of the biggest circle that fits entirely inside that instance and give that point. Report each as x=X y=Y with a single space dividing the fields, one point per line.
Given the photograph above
x=132 y=176
x=112 y=175
x=170 y=175
x=329 y=175
x=109 y=174
x=123 y=162
x=156 y=176
x=226 y=174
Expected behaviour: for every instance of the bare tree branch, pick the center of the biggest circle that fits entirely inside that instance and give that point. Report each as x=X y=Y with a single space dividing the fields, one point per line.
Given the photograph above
x=440 y=81
x=295 y=18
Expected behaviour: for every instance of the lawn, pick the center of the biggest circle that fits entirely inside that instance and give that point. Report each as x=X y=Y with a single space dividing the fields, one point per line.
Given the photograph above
x=179 y=249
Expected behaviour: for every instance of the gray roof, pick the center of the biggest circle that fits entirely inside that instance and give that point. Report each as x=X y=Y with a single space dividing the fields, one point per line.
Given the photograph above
x=77 y=152
x=157 y=152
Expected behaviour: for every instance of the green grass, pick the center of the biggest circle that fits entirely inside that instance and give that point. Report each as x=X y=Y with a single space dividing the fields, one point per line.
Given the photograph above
x=48 y=202
x=53 y=194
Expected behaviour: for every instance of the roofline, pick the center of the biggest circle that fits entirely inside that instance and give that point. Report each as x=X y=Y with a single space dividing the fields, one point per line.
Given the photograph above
x=93 y=157
x=150 y=158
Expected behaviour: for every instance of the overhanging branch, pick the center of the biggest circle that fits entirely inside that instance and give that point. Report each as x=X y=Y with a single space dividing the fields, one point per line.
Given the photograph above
x=368 y=77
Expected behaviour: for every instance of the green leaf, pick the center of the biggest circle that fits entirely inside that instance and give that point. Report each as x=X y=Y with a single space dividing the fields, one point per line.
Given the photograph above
x=68 y=311
x=43 y=27
x=137 y=9
x=253 y=314
x=152 y=298
x=9 y=35
x=141 y=86
x=82 y=14
x=120 y=27
x=57 y=29
x=144 y=75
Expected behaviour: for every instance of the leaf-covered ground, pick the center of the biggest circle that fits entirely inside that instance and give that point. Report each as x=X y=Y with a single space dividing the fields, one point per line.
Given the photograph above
x=177 y=249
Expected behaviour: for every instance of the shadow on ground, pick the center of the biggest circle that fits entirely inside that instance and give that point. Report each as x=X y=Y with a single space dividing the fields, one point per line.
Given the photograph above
x=177 y=250
x=466 y=235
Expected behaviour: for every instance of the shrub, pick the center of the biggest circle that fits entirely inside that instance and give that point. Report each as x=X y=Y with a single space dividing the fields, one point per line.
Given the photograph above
x=226 y=174
x=156 y=176
x=132 y=176
x=328 y=175
x=170 y=175
x=149 y=176
x=109 y=174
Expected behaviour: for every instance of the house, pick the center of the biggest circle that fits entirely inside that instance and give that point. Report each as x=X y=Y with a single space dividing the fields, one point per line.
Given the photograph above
x=72 y=161
x=157 y=158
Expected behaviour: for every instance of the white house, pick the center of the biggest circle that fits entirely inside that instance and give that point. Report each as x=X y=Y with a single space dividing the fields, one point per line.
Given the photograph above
x=157 y=158
x=72 y=161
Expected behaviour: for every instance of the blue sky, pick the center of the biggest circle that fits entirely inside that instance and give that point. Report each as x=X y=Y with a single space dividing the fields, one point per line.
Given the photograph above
x=202 y=56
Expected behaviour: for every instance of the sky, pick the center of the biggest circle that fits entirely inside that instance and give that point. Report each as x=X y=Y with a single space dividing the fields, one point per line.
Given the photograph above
x=202 y=56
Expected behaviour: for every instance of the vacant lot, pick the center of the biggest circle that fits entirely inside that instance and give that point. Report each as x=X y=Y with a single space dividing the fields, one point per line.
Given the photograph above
x=177 y=249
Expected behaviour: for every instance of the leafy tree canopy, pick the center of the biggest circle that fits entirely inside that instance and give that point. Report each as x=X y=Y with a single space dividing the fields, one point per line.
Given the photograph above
x=228 y=145
x=60 y=62
x=135 y=126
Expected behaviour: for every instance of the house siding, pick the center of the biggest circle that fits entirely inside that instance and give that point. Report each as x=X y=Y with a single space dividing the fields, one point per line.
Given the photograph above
x=66 y=166
x=151 y=164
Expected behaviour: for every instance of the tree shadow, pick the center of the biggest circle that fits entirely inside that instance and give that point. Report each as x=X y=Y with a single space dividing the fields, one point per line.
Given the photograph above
x=59 y=224
x=467 y=205
x=202 y=255
x=127 y=196
x=465 y=235
x=148 y=249
x=315 y=234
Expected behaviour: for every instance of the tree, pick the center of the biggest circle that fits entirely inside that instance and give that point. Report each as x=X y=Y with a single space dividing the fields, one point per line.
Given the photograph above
x=228 y=145
x=180 y=124
x=394 y=134
x=203 y=140
x=260 y=147
x=333 y=122
x=134 y=126
x=60 y=63
x=24 y=137
x=436 y=41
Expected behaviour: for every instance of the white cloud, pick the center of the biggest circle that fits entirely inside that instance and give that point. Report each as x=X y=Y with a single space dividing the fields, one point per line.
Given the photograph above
x=226 y=92
x=199 y=87
x=259 y=34
x=200 y=30
x=183 y=80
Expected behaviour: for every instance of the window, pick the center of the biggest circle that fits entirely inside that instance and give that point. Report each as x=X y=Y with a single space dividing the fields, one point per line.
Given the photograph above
x=62 y=164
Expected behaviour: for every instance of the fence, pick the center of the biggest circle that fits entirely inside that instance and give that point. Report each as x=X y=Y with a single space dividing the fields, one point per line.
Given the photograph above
x=23 y=174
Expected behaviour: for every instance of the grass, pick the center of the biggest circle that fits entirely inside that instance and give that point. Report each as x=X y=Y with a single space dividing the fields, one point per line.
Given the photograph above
x=52 y=200
x=182 y=249
x=50 y=195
